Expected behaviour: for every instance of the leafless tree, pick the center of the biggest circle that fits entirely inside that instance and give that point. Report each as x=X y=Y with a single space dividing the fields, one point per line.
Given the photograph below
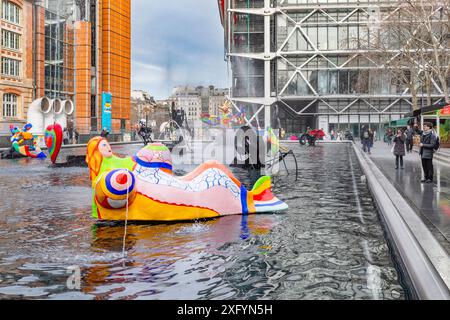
x=411 y=43
x=434 y=39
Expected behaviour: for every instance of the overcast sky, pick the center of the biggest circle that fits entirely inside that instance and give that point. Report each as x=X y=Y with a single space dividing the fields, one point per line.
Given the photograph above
x=176 y=42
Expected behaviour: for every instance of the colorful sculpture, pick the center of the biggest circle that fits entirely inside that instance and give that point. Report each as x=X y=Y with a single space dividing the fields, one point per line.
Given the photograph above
x=53 y=140
x=143 y=187
x=225 y=118
x=24 y=143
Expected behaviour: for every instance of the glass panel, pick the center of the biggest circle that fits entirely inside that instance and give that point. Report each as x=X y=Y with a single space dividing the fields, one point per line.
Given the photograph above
x=322 y=82
x=363 y=81
x=332 y=38
x=343 y=82
x=312 y=34
x=333 y=82
x=353 y=37
x=322 y=43
x=353 y=81
x=343 y=37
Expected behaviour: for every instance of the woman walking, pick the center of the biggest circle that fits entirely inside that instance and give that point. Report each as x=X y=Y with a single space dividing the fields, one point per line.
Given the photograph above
x=389 y=135
x=399 y=148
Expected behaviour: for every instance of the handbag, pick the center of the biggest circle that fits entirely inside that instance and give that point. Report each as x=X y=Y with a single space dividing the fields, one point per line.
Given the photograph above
x=392 y=149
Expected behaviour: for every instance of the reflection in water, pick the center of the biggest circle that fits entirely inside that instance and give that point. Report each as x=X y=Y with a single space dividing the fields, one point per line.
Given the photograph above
x=156 y=254
x=245 y=233
x=329 y=245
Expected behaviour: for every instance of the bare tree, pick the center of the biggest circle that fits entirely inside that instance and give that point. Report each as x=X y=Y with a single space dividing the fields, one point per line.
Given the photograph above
x=434 y=39
x=411 y=44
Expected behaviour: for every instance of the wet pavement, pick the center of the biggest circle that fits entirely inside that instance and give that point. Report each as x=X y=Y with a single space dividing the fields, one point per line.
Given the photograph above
x=430 y=201
x=329 y=245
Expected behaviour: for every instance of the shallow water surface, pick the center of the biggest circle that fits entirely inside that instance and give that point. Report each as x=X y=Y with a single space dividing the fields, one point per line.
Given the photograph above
x=328 y=245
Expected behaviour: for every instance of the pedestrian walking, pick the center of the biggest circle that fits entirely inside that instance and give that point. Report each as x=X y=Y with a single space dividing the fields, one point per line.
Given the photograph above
x=366 y=137
x=409 y=139
x=76 y=136
x=65 y=136
x=371 y=138
x=104 y=133
x=428 y=143
x=389 y=136
x=399 y=148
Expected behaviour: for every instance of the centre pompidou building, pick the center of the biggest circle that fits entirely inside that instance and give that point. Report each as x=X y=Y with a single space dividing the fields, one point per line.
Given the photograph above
x=292 y=64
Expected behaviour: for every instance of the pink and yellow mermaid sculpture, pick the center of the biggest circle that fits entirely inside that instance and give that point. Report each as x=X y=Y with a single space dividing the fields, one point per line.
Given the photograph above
x=155 y=194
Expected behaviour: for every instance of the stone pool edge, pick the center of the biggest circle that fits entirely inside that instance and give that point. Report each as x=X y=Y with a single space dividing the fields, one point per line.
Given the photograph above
x=426 y=262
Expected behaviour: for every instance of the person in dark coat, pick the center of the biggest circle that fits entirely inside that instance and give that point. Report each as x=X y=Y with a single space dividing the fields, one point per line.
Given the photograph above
x=409 y=139
x=76 y=136
x=371 y=138
x=366 y=138
x=65 y=136
x=389 y=135
x=427 y=145
x=104 y=133
x=399 y=148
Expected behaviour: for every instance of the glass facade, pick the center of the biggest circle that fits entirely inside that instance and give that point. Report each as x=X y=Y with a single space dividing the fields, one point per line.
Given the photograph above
x=94 y=56
x=59 y=52
x=248 y=77
x=322 y=51
x=321 y=72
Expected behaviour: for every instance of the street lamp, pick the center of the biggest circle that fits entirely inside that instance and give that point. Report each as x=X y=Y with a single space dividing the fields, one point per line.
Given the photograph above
x=147 y=111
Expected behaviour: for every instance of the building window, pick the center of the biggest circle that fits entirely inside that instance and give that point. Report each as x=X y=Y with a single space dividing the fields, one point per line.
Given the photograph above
x=10 y=67
x=11 y=12
x=9 y=105
x=10 y=40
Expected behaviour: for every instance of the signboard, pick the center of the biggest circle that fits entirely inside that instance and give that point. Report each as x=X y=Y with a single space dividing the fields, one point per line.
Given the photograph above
x=354 y=119
x=106 y=110
x=364 y=118
x=374 y=118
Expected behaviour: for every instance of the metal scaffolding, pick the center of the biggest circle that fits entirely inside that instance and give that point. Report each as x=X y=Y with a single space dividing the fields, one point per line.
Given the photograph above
x=296 y=55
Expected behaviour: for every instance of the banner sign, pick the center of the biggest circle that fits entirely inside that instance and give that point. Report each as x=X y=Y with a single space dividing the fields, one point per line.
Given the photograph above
x=106 y=110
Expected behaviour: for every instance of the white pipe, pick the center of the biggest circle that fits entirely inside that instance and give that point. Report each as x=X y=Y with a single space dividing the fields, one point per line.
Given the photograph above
x=58 y=107
x=36 y=114
x=66 y=109
x=50 y=117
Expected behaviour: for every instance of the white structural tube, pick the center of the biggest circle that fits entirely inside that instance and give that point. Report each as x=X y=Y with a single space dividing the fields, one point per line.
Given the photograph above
x=37 y=112
x=66 y=109
x=50 y=117
x=44 y=112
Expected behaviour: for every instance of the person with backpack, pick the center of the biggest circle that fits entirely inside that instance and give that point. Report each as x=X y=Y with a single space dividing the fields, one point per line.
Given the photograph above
x=366 y=139
x=371 y=138
x=399 y=148
x=429 y=144
x=409 y=139
x=389 y=136
x=76 y=136
x=104 y=133
x=65 y=136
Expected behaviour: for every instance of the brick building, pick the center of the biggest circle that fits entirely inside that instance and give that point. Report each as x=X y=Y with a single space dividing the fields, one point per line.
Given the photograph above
x=16 y=77
x=72 y=51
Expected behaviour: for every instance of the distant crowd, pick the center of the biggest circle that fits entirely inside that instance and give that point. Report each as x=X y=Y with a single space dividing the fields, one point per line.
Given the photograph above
x=402 y=142
x=70 y=136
